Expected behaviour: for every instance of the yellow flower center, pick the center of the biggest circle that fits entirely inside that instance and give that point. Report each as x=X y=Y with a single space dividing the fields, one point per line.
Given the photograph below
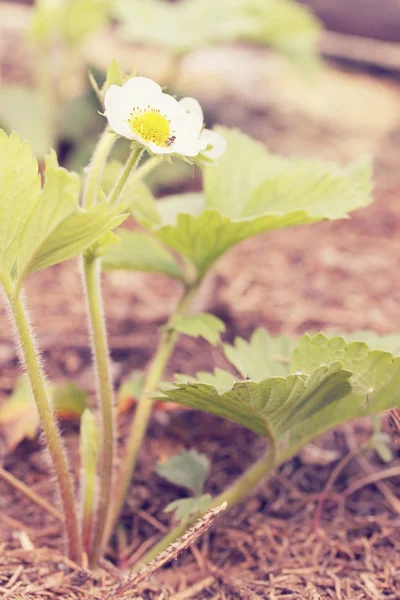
x=151 y=126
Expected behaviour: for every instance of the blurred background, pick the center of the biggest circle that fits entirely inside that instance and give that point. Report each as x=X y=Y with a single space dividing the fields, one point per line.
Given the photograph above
x=310 y=78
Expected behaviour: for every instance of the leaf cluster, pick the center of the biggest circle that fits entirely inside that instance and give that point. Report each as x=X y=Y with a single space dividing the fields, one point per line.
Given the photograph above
x=42 y=226
x=246 y=192
x=328 y=382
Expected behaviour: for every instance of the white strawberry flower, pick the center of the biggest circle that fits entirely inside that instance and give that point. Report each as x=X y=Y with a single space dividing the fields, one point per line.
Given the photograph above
x=141 y=112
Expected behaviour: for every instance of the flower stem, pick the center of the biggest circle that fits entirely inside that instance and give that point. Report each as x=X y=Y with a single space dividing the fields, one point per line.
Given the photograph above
x=91 y=267
x=95 y=169
x=146 y=168
x=232 y=495
x=131 y=164
x=92 y=279
x=143 y=410
x=48 y=421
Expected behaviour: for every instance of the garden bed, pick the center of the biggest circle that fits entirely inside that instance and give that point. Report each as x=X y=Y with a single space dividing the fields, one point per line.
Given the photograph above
x=279 y=543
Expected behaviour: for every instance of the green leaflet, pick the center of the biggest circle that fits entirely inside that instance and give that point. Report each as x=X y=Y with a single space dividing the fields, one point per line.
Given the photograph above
x=202 y=325
x=138 y=251
x=42 y=227
x=220 y=379
x=71 y=21
x=332 y=382
x=189 y=469
x=263 y=356
x=188 y=507
x=272 y=405
x=189 y=24
x=375 y=384
x=249 y=191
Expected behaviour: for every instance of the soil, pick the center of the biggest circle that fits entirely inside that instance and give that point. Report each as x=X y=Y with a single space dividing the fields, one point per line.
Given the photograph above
x=288 y=539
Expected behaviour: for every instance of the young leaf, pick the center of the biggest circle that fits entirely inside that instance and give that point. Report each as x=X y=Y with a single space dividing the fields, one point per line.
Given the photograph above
x=248 y=191
x=188 y=469
x=380 y=442
x=202 y=325
x=188 y=507
x=89 y=450
x=263 y=356
x=39 y=228
x=138 y=251
x=19 y=418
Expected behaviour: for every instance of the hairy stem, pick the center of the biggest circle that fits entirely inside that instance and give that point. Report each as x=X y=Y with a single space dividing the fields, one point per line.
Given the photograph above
x=146 y=168
x=96 y=166
x=92 y=280
x=131 y=164
x=232 y=495
x=143 y=410
x=48 y=421
x=91 y=267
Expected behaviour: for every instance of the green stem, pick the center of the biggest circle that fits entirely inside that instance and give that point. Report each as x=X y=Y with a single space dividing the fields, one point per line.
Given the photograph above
x=92 y=277
x=48 y=421
x=232 y=495
x=147 y=168
x=132 y=163
x=105 y=392
x=95 y=169
x=143 y=410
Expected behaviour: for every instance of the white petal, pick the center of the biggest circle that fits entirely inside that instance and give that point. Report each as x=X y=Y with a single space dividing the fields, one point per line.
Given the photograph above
x=117 y=111
x=169 y=106
x=141 y=86
x=160 y=149
x=193 y=108
x=216 y=142
x=189 y=148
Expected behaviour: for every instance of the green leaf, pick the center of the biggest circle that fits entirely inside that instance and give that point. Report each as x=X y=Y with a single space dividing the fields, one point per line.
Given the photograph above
x=103 y=245
x=189 y=469
x=130 y=391
x=263 y=356
x=249 y=191
x=220 y=379
x=39 y=228
x=189 y=507
x=375 y=384
x=380 y=442
x=71 y=20
x=69 y=401
x=272 y=406
x=19 y=418
x=389 y=341
x=138 y=251
x=24 y=111
x=202 y=325
x=283 y=24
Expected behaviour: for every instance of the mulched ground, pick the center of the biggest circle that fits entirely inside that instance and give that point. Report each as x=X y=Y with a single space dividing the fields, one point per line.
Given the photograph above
x=281 y=543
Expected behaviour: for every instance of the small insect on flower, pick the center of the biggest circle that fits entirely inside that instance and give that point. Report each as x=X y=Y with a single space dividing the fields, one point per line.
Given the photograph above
x=171 y=140
x=140 y=111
